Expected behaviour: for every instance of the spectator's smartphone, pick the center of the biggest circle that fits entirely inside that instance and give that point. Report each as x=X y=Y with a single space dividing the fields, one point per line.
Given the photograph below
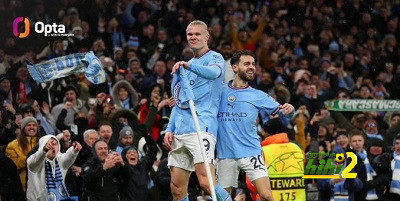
x=92 y=101
x=110 y=101
x=6 y=101
x=74 y=129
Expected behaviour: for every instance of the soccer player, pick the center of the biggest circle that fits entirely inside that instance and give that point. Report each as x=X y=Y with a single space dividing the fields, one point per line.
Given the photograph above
x=238 y=145
x=205 y=73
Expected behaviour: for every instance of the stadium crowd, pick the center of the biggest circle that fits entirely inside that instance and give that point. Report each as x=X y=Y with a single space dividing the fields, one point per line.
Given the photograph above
x=307 y=52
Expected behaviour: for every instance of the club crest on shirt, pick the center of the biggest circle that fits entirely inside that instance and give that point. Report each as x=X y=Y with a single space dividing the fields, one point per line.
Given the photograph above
x=231 y=98
x=177 y=97
x=62 y=191
x=51 y=196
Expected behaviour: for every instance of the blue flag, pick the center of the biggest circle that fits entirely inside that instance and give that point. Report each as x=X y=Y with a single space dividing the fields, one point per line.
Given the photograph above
x=60 y=67
x=181 y=90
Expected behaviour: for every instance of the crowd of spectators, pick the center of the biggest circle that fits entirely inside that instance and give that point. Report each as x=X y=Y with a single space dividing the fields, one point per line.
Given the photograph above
x=308 y=51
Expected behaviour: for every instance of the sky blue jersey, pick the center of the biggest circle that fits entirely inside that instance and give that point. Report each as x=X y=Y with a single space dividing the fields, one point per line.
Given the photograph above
x=238 y=111
x=206 y=75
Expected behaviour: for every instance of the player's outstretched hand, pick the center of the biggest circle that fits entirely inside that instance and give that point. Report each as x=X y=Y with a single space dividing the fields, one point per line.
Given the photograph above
x=286 y=108
x=168 y=141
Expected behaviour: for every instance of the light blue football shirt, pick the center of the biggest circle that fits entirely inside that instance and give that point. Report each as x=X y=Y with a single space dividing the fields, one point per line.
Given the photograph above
x=205 y=75
x=238 y=111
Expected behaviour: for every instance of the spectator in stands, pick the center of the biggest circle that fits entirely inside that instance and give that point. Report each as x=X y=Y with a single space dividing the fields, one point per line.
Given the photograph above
x=73 y=179
x=125 y=139
x=10 y=184
x=338 y=189
x=371 y=129
x=364 y=168
x=23 y=84
x=394 y=191
x=57 y=49
x=18 y=149
x=135 y=186
x=64 y=112
x=123 y=117
x=134 y=65
x=105 y=132
x=242 y=40
x=124 y=95
x=7 y=130
x=154 y=103
x=47 y=169
x=342 y=141
x=160 y=75
x=103 y=174
x=7 y=96
x=43 y=115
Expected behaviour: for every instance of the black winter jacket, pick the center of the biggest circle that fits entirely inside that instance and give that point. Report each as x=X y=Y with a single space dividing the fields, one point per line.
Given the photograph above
x=10 y=184
x=99 y=184
x=135 y=186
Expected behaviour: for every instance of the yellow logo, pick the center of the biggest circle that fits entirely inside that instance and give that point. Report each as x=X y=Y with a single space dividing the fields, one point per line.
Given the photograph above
x=328 y=170
x=340 y=158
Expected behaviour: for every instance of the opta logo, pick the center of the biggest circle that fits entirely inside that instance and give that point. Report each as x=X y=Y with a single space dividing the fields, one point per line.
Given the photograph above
x=40 y=27
x=15 y=27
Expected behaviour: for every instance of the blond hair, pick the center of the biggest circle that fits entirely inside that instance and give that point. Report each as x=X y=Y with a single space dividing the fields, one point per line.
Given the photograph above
x=198 y=23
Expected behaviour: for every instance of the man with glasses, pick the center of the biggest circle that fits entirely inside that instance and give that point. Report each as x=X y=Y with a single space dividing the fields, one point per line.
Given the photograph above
x=371 y=129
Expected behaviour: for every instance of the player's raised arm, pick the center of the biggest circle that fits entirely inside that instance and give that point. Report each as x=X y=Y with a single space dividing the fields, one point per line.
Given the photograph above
x=212 y=71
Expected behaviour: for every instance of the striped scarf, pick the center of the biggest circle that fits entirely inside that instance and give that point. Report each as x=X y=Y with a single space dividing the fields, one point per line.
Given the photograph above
x=395 y=185
x=56 y=189
x=370 y=174
x=339 y=192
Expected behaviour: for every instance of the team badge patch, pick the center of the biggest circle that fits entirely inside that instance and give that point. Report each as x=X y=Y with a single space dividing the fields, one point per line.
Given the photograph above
x=231 y=98
x=177 y=97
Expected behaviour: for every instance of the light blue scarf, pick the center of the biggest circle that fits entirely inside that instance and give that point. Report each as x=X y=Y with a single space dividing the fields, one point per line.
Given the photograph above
x=376 y=135
x=126 y=103
x=67 y=65
x=395 y=185
x=370 y=174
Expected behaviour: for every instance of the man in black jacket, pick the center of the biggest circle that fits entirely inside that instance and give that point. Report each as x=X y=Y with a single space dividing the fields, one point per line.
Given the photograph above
x=10 y=185
x=102 y=174
x=374 y=180
x=135 y=186
x=73 y=180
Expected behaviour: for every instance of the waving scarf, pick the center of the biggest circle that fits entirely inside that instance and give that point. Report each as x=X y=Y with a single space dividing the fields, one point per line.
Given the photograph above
x=67 y=65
